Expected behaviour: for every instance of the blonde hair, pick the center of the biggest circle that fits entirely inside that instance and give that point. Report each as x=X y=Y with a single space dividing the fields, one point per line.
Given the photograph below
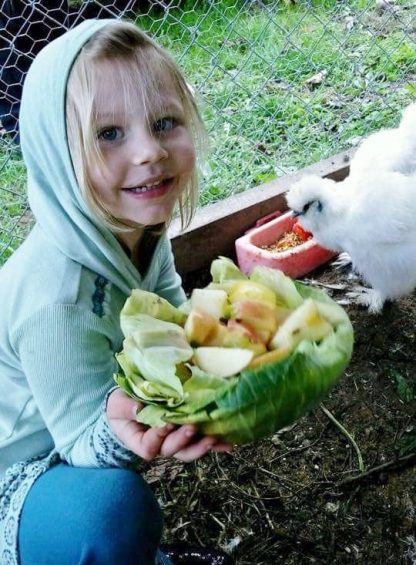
x=145 y=67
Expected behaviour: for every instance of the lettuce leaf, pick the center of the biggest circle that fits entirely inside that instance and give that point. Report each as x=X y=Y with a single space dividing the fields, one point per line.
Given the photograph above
x=143 y=302
x=152 y=351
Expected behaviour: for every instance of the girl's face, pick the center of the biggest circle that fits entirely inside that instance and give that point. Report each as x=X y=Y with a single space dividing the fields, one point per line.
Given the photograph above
x=145 y=165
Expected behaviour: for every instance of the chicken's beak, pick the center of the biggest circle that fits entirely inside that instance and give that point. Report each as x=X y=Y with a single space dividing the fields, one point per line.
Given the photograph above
x=296 y=214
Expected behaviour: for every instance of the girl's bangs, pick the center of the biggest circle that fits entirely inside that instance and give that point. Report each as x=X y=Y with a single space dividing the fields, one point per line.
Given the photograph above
x=147 y=78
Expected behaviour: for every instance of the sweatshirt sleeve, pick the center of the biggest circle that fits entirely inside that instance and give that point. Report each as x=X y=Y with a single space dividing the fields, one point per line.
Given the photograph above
x=67 y=357
x=169 y=283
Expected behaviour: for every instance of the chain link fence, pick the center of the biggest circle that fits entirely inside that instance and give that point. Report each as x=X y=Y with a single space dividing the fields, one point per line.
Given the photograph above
x=283 y=84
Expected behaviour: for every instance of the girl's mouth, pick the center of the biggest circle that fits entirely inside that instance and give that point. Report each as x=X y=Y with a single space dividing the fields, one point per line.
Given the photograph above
x=152 y=190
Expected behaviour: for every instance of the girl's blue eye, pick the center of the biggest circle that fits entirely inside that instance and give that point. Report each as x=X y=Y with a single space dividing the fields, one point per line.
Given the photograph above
x=110 y=134
x=164 y=124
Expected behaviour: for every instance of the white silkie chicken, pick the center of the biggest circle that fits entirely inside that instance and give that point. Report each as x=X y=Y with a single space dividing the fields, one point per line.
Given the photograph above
x=388 y=149
x=373 y=218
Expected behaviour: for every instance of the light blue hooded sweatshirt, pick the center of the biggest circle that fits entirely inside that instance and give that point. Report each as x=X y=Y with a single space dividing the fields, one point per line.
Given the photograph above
x=60 y=297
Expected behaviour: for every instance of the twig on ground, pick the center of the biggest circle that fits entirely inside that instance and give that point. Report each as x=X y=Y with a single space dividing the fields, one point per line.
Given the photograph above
x=389 y=465
x=346 y=434
x=392 y=465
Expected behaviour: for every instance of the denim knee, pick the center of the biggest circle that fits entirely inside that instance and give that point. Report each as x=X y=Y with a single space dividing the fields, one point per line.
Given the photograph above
x=79 y=516
x=126 y=526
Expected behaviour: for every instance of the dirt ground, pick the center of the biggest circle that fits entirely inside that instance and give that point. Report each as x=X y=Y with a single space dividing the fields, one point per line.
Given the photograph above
x=300 y=496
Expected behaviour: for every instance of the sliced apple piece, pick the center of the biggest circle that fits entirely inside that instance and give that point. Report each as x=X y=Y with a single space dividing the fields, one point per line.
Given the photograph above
x=304 y=323
x=258 y=316
x=222 y=361
x=250 y=290
x=212 y=301
x=236 y=334
x=283 y=286
x=269 y=357
x=217 y=338
x=200 y=327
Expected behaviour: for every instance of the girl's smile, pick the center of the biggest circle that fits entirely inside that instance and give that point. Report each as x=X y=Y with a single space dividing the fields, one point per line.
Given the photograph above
x=154 y=189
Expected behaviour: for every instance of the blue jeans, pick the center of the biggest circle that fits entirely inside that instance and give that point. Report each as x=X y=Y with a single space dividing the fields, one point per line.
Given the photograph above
x=84 y=516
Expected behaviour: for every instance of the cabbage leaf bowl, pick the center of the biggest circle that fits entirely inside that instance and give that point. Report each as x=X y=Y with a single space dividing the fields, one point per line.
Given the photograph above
x=241 y=359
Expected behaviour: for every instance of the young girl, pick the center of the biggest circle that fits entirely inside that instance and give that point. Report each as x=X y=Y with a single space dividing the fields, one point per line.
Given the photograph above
x=109 y=132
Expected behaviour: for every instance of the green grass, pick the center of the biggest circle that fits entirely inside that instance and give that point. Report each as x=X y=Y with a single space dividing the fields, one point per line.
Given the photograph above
x=406 y=390
x=264 y=118
x=13 y=207
x=251 y=63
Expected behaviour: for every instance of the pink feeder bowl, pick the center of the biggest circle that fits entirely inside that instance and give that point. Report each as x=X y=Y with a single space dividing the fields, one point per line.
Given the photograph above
x=294 y=262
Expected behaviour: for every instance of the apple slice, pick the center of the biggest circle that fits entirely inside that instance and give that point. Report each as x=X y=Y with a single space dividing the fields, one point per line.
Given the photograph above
x=250 y=290
x=236 y=335
x=305 y=323
x=269 y=357
x=222 y=361
x=241 y=336
x=200 y=327
x=215 y=302
x=258 y=316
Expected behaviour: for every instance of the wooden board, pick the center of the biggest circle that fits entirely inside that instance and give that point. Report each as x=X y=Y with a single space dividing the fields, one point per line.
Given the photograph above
x=215 y=228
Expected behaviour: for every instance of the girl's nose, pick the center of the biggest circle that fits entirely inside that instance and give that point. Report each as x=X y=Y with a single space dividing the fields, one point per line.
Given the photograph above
x=147 y=149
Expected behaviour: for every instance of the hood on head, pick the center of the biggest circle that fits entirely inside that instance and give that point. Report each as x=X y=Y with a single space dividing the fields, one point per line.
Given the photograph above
x=53 y=192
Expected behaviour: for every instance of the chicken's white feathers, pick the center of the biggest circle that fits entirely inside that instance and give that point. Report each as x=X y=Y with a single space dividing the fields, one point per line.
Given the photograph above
x=389 y=149
x=372 y=218
x=320 y=202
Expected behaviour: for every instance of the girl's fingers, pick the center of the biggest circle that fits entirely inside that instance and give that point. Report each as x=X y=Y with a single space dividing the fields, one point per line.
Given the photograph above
x=177 y=440
x=168 y=441
x=201 y=448
x=152 y=440
x=222 y=447
x=195 y=450
x=185 y=444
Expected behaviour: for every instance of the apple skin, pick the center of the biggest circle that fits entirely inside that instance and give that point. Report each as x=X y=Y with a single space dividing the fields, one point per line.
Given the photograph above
x=200 y=327
x=236 y=334
x=250 y=290
x=258 y=316
x=222 y=361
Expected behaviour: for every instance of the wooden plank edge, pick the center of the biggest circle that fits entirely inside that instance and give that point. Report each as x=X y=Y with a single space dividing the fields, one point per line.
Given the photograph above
x=215 y=227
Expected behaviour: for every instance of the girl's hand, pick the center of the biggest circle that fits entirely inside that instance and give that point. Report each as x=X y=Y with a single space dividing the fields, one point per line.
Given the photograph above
x=182 y=442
